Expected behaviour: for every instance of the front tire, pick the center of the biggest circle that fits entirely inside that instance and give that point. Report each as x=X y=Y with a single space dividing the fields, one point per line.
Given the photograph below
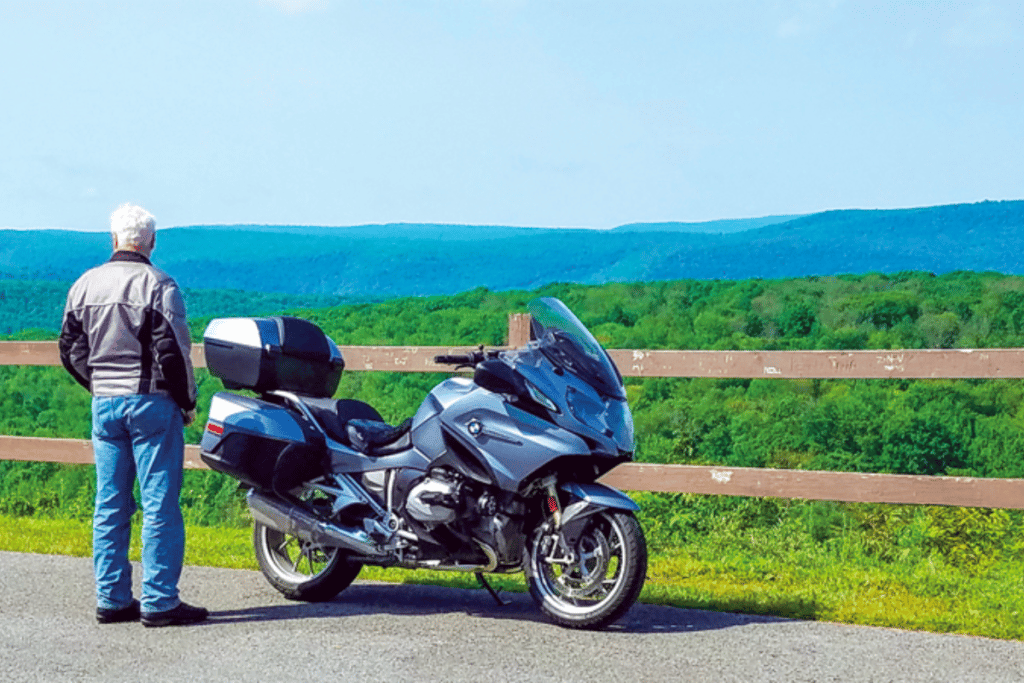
x=603 y=579
x=301 y=570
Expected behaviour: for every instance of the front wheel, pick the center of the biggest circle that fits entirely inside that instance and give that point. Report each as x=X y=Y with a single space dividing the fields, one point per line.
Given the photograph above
x=301 y=570
x=595 y=582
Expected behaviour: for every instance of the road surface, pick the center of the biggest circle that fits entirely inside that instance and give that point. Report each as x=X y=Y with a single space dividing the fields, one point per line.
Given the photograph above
x=393 y=633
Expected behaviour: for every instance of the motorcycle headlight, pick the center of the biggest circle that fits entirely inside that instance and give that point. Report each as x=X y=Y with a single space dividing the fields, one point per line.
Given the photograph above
x=540 y=397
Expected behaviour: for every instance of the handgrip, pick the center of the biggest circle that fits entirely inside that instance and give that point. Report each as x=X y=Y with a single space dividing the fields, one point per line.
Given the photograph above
x=456 y=359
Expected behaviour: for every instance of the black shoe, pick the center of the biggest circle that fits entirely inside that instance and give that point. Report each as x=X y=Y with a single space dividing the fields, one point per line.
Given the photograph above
x=117 y=616
x=179 y=616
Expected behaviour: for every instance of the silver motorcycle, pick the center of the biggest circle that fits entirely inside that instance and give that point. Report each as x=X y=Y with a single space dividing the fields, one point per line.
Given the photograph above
x=494 y=474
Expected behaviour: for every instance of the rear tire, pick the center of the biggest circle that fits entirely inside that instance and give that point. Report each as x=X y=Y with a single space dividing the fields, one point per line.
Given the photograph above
x=603 y=582
x=301 y=570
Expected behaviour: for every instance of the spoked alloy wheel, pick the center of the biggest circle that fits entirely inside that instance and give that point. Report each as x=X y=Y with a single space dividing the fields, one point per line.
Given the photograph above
x=601 y=579
x=301 y=570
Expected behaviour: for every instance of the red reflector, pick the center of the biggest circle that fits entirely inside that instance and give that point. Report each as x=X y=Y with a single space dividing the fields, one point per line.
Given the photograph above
x=215 y=428
x=552 y=504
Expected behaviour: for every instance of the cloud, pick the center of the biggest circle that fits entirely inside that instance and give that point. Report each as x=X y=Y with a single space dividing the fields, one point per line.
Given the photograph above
x=295 y=6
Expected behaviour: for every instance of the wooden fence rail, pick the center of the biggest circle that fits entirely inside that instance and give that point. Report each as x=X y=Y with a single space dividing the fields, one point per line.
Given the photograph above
x=907 y=364
x=736 y=481
x=848 y=487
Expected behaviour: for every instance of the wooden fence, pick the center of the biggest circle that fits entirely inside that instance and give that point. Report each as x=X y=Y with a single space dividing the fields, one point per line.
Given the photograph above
x=733 y=481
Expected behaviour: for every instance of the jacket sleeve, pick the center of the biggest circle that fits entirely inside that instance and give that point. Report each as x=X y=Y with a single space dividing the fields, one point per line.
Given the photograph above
x=74 y=346
x=172 y=346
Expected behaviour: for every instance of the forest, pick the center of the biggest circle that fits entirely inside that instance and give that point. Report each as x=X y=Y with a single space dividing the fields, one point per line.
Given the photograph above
x=953 y=427
x=39 y=304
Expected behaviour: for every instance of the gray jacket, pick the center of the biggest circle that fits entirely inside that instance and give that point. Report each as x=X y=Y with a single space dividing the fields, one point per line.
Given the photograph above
x=124 y=332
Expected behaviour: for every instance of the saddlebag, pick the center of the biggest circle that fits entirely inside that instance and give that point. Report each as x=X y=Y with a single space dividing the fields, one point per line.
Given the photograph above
x=264 y=354
x=266 y=464
x=249 y=459
x=261 y=444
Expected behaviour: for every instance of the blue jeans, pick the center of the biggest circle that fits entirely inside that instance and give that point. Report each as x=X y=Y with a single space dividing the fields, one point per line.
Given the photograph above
x=138 y=436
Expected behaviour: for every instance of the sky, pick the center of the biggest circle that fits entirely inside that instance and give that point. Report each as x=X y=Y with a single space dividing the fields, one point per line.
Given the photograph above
x=555 y=113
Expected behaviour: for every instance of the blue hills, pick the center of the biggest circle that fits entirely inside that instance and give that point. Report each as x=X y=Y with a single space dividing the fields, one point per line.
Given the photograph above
x=375 y=262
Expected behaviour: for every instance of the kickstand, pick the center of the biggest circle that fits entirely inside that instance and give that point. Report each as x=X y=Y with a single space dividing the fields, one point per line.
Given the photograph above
x=494 y=593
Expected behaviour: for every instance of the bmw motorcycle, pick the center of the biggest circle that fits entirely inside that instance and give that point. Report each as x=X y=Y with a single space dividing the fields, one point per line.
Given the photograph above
x=496 y=473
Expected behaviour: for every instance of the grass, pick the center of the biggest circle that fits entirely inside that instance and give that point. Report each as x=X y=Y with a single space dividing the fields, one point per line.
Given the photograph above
x=757 y=572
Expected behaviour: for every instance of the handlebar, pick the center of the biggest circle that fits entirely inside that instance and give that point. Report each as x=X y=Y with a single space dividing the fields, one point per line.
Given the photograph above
x=457 y=359
x=470 y=359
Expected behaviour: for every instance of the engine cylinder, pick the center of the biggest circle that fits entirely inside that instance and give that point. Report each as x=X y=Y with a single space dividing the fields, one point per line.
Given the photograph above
x=434 y=500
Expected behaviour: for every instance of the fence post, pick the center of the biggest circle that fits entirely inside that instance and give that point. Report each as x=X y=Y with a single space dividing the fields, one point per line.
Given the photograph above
x=518 y=329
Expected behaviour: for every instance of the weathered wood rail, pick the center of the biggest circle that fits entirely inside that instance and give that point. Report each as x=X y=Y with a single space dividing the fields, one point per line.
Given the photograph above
x=738 y=481
x=908 y=364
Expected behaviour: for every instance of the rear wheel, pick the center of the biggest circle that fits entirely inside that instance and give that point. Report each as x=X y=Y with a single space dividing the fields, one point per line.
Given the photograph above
x=301 y=570
x=595 y=582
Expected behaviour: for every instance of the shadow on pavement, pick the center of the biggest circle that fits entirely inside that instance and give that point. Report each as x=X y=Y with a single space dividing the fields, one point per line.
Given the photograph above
x=417 y=600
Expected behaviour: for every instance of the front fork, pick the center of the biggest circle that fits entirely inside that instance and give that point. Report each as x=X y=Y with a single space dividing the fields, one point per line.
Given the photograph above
x=561 y=531
x=553 y=542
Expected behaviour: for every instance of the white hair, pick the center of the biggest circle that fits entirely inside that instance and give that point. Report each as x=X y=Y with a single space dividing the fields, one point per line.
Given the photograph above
x=133 y=226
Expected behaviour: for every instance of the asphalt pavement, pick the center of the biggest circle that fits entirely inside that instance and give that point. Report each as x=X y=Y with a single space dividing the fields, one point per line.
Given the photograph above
x=395 y=633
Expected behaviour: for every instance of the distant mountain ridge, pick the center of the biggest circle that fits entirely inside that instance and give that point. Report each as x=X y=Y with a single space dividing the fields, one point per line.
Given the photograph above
x=385 y=261
x=719 y=226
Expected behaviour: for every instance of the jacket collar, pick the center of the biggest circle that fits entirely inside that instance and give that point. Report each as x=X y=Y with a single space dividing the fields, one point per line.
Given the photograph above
x=131 y=256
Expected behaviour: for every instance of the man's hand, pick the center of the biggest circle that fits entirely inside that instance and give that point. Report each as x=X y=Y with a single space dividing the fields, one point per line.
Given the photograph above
x=189 y=416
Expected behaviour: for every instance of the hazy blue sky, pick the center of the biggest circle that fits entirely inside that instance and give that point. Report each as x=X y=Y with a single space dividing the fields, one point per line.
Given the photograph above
x=516 y=112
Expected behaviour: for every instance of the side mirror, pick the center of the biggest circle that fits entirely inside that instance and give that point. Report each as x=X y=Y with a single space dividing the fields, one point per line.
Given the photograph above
x=496 y=376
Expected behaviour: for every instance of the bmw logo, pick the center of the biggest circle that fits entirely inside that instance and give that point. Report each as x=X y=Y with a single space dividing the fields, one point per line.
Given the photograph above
x=475 y=427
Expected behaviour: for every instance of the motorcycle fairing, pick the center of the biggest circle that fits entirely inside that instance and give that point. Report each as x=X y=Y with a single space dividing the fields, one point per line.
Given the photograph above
x=511 y=443
x=605 y=421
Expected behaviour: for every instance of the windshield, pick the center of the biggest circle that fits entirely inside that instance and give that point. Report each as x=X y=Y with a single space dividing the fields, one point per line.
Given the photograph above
x=568 y=344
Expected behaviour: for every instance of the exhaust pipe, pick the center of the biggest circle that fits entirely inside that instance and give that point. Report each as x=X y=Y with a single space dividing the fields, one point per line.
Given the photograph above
x=292 y=519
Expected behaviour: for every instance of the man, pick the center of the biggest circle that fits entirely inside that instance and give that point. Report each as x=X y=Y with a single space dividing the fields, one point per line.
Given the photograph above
x=125 y=339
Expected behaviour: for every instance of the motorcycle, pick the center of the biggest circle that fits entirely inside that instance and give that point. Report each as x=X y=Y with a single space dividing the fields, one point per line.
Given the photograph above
x=493 y=474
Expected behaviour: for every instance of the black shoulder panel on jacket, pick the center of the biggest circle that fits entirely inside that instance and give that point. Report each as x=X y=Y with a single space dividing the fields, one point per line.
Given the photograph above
x=171 y=362
x=74 y=349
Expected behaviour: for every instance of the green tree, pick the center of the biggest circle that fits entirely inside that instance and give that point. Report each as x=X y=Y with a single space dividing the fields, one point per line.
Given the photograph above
x=797 y=320
x=920 y=445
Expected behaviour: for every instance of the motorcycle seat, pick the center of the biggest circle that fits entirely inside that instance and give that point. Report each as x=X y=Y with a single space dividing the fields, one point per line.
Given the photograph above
x=373 y=437
x=334 y=414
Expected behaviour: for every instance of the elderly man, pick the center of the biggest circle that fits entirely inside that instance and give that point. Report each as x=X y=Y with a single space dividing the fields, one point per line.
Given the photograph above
x=124 y=338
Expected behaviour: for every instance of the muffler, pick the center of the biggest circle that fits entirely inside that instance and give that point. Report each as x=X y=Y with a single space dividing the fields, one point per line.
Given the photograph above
x=291 y=519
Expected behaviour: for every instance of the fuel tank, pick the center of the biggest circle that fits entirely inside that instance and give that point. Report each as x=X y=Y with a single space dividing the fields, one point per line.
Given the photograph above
x=510 y=443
